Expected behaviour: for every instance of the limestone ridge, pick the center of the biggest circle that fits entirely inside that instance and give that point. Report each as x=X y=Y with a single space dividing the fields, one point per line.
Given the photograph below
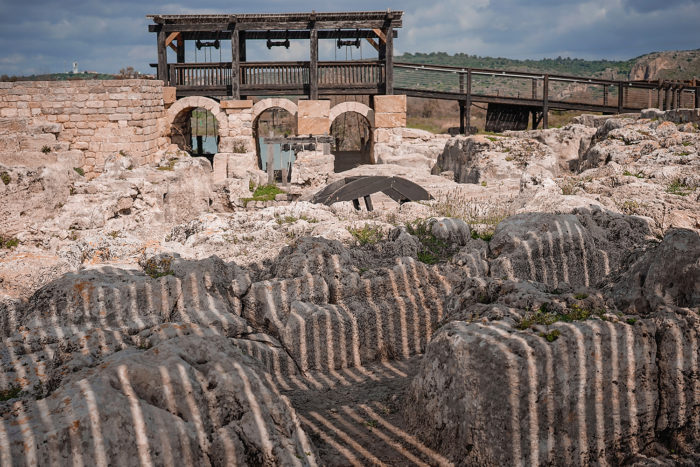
x=543 y=309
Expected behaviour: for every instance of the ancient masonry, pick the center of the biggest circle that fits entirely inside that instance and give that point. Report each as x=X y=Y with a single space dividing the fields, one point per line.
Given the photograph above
x=82 y=123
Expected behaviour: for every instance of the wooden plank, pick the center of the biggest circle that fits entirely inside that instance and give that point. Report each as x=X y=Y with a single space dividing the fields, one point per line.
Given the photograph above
x=468 y=103
x=411 y=191
x=180 y=49
x=313 y=64
x=620 y=97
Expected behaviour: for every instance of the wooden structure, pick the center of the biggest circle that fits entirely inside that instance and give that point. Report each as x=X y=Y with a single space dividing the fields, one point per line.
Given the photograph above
x=240 y=78
x=509 y=94
x=353 y=188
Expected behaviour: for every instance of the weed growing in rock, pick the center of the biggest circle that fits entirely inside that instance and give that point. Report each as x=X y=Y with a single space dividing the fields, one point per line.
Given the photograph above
x=263 y=193
x=239 y=148
x=486 y=213
x=158 y=267
x=551 y=336
x=367 y=235
x=114 y=234
x=46 y=149
x=631 y=320
x=170 y=166
x=483 y=183
x=678 y=187
x=11 y=393
x=8 y=242
x=581 y=296
x=627 y=173
x=434 y=250
x=485 y=236
x=684 y=153
x=79 y=171
x=545 y=317
x=5 y=177
x=687 y=143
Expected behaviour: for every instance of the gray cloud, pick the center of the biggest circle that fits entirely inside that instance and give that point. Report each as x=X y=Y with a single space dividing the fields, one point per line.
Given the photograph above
x=38 y=36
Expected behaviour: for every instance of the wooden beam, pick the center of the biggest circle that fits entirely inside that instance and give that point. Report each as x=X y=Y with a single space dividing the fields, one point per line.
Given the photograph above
x=545 y=102
x=180 y=49
x=380 y=34
x=235 y=65
x=162 y=58
x=373 y=43
x=389 y=60
x=313 y=65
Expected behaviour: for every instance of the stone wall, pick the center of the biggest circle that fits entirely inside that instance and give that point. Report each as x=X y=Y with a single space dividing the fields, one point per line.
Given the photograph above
x=84 y=121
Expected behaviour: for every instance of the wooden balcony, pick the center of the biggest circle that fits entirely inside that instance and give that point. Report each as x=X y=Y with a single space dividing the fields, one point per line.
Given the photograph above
x=277 y=78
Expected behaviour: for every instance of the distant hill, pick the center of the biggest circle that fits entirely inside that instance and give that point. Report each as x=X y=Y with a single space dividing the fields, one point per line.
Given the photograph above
x=665 y=65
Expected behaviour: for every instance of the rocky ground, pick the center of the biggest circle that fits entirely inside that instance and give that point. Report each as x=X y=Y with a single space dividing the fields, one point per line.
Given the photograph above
x=543 y=309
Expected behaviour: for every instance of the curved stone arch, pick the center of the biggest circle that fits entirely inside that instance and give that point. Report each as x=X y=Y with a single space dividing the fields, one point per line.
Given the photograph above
x=273 y=102
x=351 y=106
x=181 y=108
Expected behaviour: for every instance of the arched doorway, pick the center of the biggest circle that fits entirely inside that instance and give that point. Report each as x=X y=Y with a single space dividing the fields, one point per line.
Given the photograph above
x=274 y=118
x=352 y=140
x=196 y=124
x=196 y=131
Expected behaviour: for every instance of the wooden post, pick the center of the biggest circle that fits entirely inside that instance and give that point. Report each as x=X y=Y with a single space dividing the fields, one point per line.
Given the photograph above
x=242 y=48
x=697 y=97
x=389 y=60
x=660 y=98
x=605 y=95
x=200 y=144
x=534 y=88
x=313 y=63
x=668 y=99
x=462 y=104
x=162 y=58
x=545 y=102
x=180 y=50
x=468 y=103
x=235 y=63
x=270 y=163
x=620 y=97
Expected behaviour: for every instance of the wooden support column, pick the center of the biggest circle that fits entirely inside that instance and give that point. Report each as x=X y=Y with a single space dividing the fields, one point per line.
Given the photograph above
x=162 y=57
x=389 y=60
x=313 y=63
x=605 y=95
x=659 y=98
x=545 y=102
x=180 y=50
x=242 y=47
x=468 y=103
x=462 y=105
x=697 y=97
x=235 y=63
x=534 y=88
x=668 y=99
x=620 y=97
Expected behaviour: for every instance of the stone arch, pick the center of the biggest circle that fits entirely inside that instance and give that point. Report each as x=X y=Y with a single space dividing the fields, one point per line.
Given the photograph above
x=351 y=106
x=273 y=102
x=181 y=108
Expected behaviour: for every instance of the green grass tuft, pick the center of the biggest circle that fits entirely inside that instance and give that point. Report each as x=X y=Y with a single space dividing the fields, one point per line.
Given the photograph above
x=5 y=177
x=11 y=393
x=367 y=235
x=79 y=171
x=263 y=193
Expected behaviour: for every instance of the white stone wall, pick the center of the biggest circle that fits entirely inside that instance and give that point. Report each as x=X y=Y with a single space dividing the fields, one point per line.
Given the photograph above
x=88 y=120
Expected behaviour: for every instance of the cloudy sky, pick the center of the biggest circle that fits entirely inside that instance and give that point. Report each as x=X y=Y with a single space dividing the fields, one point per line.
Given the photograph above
x=40 y=36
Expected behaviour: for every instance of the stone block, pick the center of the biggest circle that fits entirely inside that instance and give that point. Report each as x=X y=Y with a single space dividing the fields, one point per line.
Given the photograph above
x=313 y=126
x=390 y=104
x=309 y=108
x=236 y=104
x=220 y=164
x=389 y=120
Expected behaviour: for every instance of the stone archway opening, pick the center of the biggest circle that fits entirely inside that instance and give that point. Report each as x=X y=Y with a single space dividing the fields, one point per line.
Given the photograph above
x=352 y=140
x=196 y=131
x=275 y=122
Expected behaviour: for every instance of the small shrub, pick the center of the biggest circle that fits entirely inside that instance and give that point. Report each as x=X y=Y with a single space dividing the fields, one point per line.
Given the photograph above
x=631 y=320
x=434 y=250
x=483 y=183
x=678 y=187
x=684 y=153
x=239 y=148
x=79 y=171
x=158 y=267
x=46 y=149
x=546 y=318
x=367 y=235
x=5 y=177
x=581 y=296
x=627 y=173
x=551 y=336
x=8 y=242
x=687 y=143
x=263 y=193
x=114 y=234
x=11 y=393
x=485 y=236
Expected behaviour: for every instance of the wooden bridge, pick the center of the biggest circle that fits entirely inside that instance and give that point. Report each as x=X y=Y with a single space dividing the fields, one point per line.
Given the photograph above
x=512 y=96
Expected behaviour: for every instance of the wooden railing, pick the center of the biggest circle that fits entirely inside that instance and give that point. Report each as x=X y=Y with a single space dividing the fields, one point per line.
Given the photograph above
x=280 y=76
x=200 y=74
